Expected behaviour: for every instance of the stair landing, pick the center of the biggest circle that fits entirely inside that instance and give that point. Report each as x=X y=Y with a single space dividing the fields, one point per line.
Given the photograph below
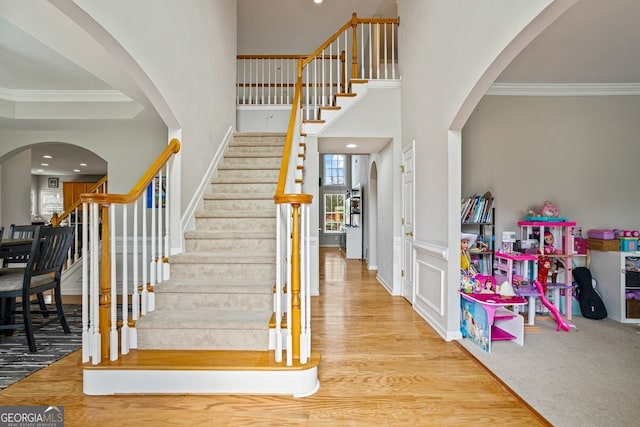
x=201 y=372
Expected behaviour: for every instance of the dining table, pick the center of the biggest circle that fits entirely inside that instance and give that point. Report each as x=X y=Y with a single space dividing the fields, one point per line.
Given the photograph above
x=15 y=247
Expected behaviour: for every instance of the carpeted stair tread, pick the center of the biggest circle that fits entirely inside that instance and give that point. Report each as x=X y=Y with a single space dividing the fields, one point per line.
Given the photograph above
x=210 y=285
x=220 y=213
x=205 y=319
x=245 y=180
x=211 y=234
x=227 y=257
x=248 y=167
x=238 y=196
x=220 y=295
x=253 y=154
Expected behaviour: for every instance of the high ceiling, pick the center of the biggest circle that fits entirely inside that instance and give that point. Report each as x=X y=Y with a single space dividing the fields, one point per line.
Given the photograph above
x=595 y=42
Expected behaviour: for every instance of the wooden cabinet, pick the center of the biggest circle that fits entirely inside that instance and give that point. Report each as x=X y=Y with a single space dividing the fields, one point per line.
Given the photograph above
x=71 y=192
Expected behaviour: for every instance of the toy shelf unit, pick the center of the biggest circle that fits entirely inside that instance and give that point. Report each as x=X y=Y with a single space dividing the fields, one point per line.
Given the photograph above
x=478 y=217
x=485 y=318
x=554 y=240
x=519 y=269
x=618 y=276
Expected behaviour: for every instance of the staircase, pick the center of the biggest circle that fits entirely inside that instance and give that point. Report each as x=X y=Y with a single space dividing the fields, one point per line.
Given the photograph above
x=209 y=332
x=226 y=275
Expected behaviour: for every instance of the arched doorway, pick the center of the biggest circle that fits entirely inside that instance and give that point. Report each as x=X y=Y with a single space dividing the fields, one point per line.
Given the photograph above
x=33 y=179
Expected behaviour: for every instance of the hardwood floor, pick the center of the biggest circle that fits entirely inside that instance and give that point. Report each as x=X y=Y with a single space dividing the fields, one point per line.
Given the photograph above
x=382 y=365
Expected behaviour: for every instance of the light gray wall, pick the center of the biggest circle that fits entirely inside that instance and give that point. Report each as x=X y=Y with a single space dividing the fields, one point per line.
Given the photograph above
x=298 y=26
x=188 y=51
x=451 y=52
x=578 y=152
x=16 y=194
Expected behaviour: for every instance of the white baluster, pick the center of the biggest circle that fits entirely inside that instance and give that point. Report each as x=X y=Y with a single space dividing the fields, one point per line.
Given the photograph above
x=372 y=42
x=86 y=334
x=303 y=297
x=166 y=267
x=153 y=255
x=288 y=294
x=124 y=331
x=278 y=293
x=145 y=260
x=135 y=294
x=307 y=263
x=386 y=60
x=160 y=210
x=113 y=335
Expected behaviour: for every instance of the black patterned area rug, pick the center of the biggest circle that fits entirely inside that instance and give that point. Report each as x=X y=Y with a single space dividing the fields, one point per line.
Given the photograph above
x=17 y=363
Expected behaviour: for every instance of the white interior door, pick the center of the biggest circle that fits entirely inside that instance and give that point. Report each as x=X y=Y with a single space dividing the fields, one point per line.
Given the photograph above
x=407 y=223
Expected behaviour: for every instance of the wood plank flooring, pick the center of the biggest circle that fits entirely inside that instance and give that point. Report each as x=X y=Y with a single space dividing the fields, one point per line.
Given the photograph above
x=382 y=365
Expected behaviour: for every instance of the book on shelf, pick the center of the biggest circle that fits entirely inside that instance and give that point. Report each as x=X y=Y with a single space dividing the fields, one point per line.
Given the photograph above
x=477 y=209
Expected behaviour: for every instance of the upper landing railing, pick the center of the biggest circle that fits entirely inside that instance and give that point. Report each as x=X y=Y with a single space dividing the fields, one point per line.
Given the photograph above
x=364 y=48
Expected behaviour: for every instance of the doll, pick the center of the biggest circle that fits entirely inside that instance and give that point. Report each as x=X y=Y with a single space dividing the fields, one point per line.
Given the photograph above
x=548 y=243
x=544 y=264
x=466 y=240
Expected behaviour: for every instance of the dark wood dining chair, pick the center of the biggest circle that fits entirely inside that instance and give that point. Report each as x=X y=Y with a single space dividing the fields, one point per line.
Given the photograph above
x=21 y=231
x=42 y=273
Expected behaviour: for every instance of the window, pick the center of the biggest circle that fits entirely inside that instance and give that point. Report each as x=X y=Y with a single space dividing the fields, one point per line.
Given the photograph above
x=50 y=202
x=334 y=169
x=333 y=213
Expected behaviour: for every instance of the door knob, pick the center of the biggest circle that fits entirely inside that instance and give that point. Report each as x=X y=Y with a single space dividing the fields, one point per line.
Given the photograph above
x=410 y=233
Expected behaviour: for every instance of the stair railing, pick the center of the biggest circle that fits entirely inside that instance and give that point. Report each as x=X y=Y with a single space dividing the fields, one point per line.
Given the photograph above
x=292 y=253
x=318 y=79
x=364 y=48
x=105 y=214
x=71 y=217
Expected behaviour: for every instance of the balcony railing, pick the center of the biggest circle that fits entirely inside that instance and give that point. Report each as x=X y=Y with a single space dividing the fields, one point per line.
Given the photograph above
x=364 y=48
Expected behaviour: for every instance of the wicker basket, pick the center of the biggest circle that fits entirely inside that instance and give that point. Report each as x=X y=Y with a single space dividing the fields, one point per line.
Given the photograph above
x=603 y=245
x=633 y=308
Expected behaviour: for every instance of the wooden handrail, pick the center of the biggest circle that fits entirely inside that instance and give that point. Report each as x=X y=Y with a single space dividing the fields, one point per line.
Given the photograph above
x=284 y=166
x=354 y=21
x=141 y=185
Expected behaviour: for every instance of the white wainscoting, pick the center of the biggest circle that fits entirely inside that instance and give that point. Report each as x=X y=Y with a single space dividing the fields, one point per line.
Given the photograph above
x=430 y=283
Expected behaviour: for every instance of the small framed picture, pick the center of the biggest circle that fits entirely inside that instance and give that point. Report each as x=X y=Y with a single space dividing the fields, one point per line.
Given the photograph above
x=53 y=182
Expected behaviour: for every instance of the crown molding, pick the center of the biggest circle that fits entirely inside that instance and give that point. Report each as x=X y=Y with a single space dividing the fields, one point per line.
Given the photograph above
x=63 y=95
x=564 y=89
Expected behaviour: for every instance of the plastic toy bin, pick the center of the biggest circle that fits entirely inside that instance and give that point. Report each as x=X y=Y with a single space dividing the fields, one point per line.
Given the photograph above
x=628 y=244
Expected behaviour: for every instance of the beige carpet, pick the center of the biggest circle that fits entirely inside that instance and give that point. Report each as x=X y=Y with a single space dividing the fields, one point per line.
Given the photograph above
x=589 y=376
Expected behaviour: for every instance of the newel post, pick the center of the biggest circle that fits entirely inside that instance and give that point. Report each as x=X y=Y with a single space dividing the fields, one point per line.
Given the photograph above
x=295 y=281
x=105 y=285
x=354 y=48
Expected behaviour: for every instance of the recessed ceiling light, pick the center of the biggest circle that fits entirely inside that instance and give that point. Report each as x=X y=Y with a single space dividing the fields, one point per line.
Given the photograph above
x=47 y=156
x=351 y=145
x=39 y=170
x=44 y=164
x=76 y=170
x=83 y=164
x=317 y=1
